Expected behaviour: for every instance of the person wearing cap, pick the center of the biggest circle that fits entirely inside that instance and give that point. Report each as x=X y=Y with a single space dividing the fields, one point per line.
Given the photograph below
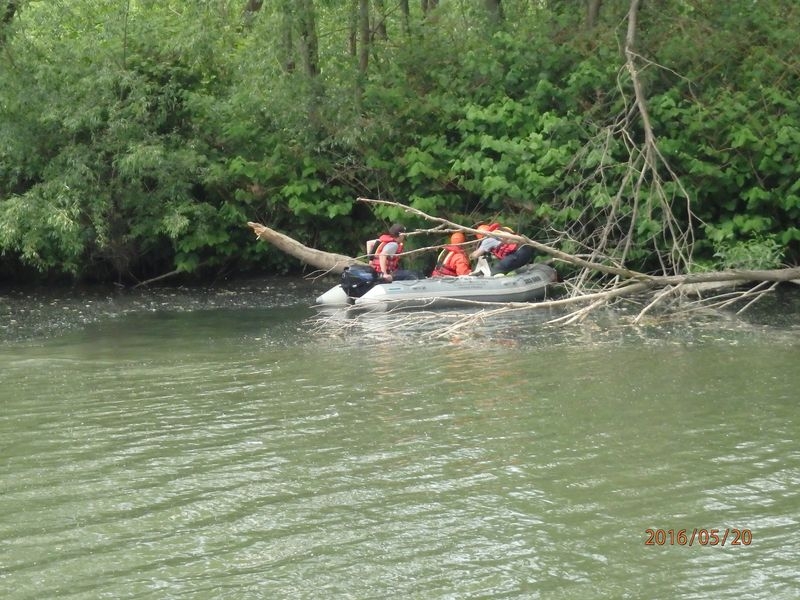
x=453 y=260
x=384 y=254
x=510 y=255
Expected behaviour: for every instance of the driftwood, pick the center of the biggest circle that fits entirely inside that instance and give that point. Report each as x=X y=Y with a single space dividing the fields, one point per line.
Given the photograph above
x=329 y=262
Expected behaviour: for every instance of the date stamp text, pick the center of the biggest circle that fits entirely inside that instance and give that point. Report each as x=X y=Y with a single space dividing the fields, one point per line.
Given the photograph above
x=701 y=537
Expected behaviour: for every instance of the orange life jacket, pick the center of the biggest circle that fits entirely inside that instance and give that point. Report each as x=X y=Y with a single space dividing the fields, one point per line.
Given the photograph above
x=392 y=262
x=504 y=248
x=445 y=263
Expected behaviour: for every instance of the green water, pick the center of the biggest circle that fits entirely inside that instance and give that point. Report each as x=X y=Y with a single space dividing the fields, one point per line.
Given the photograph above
x=236 y=444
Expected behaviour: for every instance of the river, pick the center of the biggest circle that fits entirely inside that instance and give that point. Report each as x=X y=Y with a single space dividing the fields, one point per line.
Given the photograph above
x=232 y=442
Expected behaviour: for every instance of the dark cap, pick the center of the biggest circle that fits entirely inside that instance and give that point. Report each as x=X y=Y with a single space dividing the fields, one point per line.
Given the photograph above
x=396 y=229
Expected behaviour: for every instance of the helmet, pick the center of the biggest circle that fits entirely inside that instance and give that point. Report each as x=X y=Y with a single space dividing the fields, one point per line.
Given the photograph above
x=458 y=238
x=483 y=228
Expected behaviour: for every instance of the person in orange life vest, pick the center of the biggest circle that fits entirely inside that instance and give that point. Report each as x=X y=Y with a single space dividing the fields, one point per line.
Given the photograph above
x=453 y=260
x=384 y=254
x=511 y=256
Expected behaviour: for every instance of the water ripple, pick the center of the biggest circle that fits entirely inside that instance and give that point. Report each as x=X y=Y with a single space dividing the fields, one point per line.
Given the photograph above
x=183 y=455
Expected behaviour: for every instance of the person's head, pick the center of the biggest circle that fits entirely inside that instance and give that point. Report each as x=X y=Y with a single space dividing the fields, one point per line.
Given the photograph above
x=491 y=227
x=483 y=227
x=397 y=230
x=458 y=238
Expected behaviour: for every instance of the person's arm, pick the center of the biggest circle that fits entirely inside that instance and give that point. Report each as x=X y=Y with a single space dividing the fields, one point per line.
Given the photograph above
x=388 y=250
x=462 y=265
x=384 y=266
x=485 y=246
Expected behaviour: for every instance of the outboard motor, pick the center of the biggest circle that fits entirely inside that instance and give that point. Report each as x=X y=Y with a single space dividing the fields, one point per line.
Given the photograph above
x=358 y=279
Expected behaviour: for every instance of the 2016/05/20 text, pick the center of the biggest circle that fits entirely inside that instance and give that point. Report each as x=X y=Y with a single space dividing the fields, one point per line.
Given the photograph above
x=701 y=537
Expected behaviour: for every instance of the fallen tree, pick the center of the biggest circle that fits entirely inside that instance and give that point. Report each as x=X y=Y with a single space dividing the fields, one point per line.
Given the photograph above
x=328 y=262
x=621 y=282
x=580 y=297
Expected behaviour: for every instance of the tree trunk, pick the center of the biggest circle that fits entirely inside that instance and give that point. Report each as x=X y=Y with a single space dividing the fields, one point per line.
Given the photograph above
x=352 y=28
x=592 y=12
x=308 y=36
x=630 y=56
x=327 y=261
x=363 y=27
x=380 y=21
x=286 y=48
x=406 y=12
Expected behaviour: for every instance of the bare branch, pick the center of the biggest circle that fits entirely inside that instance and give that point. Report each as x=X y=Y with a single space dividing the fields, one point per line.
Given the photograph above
x=327 y=261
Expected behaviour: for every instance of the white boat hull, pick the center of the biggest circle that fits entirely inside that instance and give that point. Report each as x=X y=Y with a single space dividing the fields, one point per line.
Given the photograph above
x=527 y=284
x=336 y=296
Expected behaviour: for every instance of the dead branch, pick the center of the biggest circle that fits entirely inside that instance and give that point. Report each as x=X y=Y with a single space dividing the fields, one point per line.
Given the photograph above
x=757 y=295
x=157 y=278
x=738 y=275
x=328 y=262
x=659 y=298
x=582 y=299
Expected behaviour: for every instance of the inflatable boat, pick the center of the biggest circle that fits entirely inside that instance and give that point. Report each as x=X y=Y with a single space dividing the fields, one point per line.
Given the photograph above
x=360 y=287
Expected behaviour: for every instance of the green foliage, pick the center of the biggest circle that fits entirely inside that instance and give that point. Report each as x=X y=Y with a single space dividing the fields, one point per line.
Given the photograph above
x=137 y=138
x=754 y=253
x=44 y=228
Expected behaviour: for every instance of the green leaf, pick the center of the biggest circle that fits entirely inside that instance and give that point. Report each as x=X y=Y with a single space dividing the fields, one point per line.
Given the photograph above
x=741 y=136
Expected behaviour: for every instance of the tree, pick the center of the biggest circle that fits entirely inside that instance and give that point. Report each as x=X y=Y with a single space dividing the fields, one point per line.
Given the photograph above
x=380 y=21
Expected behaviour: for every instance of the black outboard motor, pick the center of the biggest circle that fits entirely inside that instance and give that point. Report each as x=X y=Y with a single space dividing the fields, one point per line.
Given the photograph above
x=358 y=279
